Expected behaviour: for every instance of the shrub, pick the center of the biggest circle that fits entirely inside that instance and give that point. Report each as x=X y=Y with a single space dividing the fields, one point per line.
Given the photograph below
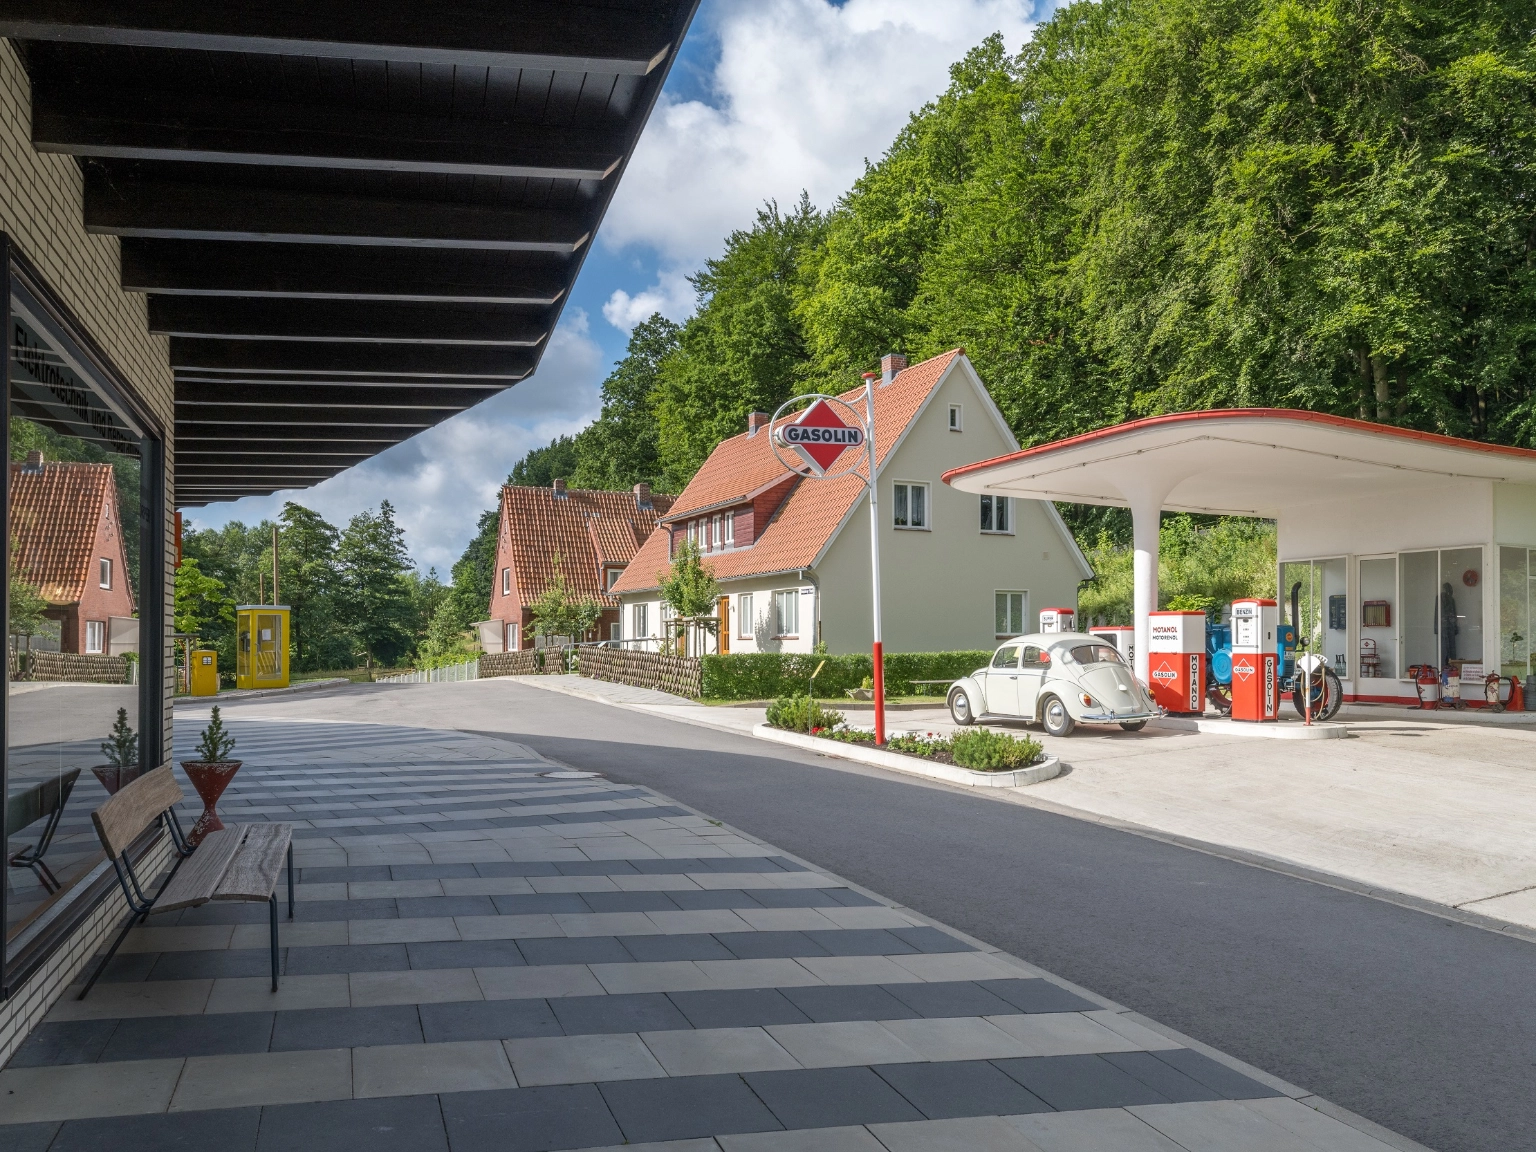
x=988 y=751
x=801 y=714
x=216 y=743
x=767 y=675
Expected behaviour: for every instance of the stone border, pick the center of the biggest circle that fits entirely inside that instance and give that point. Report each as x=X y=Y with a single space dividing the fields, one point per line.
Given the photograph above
x=1270 y=730
x=949 y=773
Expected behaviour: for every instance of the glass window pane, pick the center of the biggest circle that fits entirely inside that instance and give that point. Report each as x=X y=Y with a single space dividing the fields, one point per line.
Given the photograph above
x=1461 y=595
x=1003 y=504
x=1000 y=614
x=1378 y=617
x=1419 y=600
x=1514 y=613
x=986 y=513
x=919 y=506
x=901 y=505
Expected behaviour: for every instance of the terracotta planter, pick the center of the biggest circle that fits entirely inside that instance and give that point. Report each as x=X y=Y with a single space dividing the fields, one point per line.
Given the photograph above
x=210 y=778
x=112 y=777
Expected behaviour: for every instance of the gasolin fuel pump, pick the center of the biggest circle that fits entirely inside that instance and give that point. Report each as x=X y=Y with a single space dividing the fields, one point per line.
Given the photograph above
x=1255 y=660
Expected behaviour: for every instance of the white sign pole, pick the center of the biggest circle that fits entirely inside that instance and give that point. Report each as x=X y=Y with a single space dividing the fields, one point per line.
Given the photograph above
x=874 y=556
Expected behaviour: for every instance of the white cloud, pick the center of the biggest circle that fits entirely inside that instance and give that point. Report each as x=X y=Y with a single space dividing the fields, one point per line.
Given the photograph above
x=439 y=480
x=802 y=93
x=671 y=295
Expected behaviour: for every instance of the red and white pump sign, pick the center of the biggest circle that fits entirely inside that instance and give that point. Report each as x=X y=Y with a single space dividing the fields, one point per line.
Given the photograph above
x=820 y=437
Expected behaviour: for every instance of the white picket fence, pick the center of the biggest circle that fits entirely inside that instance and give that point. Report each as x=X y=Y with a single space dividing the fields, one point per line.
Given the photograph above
x=469 y=670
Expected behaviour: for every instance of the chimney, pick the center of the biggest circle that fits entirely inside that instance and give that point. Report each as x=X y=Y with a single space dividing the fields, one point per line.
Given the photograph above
x=756 y=420
x=890 y=364
x=559 y=489
x=643 y=496
x=34 y=462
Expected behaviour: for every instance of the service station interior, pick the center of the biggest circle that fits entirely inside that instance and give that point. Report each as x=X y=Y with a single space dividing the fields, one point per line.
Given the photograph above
x=1410 y=549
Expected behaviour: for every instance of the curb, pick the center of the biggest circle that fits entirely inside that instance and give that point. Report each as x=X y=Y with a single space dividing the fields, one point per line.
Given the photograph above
x=1279 y=730
x=253 y=693
x=949 y=773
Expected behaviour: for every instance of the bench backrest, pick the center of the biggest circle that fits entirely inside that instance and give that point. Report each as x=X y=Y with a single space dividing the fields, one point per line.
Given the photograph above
x=121 y=819
x=42 y=799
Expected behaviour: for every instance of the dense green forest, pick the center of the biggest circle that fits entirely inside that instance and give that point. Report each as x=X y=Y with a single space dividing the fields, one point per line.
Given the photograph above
x=1157 y=205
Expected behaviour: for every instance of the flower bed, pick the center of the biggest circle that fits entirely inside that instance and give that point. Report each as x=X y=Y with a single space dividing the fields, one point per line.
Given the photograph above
x=980 y=750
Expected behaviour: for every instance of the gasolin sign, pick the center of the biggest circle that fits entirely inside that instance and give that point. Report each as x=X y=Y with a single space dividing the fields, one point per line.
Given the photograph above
x=820 y=436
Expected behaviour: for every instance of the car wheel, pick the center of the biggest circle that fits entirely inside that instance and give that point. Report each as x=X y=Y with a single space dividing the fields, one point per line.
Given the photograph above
x=1133 y=725
x=960 y=708
x=1054 y=715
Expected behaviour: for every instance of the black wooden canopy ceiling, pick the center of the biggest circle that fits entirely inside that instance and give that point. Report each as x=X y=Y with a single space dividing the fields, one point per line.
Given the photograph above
x=353 y=219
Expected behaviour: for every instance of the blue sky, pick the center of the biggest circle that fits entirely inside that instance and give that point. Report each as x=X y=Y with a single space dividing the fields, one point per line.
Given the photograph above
x=767 y=98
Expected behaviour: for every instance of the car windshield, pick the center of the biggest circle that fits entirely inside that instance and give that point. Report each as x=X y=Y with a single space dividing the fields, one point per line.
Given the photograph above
x=1095 y=654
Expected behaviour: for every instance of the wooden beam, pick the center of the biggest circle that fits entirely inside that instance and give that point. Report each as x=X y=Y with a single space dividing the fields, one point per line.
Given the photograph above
x=123 y=202
x=232 y=416
x=193 y=395
x=214 y=437
x=82 y=118
x=360 y=360
x=273 y=457
x=539 y=34
x=242 y=378
x=376 y=322
x=340 y=272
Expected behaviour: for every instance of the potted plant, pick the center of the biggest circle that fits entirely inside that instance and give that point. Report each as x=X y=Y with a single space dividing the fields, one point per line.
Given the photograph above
x=211 y=774
x=121 y=749
x=865 y=691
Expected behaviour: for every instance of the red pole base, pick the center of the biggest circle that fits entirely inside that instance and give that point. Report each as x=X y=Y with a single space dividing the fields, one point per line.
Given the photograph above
x=879 y=694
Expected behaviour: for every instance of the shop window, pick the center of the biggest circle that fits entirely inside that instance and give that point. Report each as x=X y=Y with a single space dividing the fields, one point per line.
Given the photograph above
x=1517 y=604
x=85 y=612
x=1009 y=610
x=1441 y=607
x=1322 y=607
x=1378 y=618
x=910 y=505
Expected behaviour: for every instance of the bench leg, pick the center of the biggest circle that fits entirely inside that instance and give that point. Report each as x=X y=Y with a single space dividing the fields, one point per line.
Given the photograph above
x=272 y=907
x=135 y=918
x=290 y=879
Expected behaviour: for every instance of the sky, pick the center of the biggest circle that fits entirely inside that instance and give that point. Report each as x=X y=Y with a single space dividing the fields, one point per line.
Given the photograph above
x=767 y=98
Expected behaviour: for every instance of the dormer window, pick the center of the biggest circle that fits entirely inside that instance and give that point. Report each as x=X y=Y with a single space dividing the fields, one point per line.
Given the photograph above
x=612 y=577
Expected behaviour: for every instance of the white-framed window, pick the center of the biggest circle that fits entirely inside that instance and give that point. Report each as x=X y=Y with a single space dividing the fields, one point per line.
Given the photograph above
x=1008 y=612
x=997 y=514
x=106 y=572
x=910 y=505
x=613 y=576
x=956 y=418
x=95 y=636
x=511 y=639
x=639 y=616
x=730 y=529
x=506 y=581
x=786 y=613
x=613 y=631
x=745 y=616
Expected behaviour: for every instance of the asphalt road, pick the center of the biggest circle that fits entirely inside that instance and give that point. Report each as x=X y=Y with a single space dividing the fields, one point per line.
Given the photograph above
x=1423 y=1025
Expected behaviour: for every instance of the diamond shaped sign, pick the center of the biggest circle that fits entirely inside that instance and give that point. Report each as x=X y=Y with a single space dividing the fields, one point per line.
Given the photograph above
x=820 y=436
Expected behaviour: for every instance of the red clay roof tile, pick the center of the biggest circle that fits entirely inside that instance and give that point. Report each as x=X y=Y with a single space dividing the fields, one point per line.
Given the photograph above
x=54 y=513
x=588 y=529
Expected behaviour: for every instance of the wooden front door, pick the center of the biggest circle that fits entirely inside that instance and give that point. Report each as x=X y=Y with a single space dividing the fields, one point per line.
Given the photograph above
x=725 y=625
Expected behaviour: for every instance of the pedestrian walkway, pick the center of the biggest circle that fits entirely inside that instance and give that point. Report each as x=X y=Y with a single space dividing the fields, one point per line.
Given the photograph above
x=492 y=952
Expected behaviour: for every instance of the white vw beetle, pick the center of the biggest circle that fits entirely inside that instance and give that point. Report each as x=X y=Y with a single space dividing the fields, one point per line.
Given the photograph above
x=1060 y=679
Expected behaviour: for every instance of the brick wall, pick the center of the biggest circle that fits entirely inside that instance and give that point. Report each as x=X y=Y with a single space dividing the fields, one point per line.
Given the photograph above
x=42 y=210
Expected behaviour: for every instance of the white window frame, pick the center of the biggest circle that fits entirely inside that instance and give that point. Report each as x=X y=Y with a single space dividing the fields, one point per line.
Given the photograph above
x=510 y=640
x=614 y=575
x=613 y=631
x=104 y=573
x=95 y=637
x=506 y=581
x=788 y=596
x=1021 y=629
x=730 y=530
x=910 y=486
x=956 y=418
x=639 y=616
x=1006 y=506
x=744 y=616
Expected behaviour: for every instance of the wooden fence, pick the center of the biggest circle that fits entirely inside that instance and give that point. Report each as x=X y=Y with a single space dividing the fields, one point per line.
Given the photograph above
x=70 y=666
x=678 y=675
x=523 y=662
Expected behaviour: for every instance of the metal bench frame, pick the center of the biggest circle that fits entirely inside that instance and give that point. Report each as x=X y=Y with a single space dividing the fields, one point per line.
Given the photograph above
x=31 y=855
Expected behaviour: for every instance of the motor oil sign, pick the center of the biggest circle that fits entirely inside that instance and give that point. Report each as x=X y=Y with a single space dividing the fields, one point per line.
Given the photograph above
x=820 y=437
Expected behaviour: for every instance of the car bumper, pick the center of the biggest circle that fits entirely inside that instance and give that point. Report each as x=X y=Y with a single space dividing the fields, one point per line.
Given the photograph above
x=1116 y=717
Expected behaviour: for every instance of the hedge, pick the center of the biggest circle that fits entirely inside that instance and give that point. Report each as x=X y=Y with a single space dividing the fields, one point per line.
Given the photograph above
x=766 y=675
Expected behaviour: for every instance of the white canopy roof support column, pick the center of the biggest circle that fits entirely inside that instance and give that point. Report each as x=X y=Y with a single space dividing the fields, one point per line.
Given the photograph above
x=1146 y=519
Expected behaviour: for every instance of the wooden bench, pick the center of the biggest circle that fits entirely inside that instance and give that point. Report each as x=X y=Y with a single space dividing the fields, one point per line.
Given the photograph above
x=239 y=862
x=46 y=798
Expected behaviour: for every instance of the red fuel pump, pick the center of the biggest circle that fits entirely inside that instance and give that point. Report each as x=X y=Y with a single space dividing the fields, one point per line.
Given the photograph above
x=1255 y=660
x=1176 y=661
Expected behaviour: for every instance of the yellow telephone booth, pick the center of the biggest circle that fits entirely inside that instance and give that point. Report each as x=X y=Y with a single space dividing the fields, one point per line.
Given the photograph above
x=261 y=646
x=205 y=672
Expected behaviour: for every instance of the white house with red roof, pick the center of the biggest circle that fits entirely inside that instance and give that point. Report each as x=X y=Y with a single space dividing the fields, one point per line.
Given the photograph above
x=791 y=553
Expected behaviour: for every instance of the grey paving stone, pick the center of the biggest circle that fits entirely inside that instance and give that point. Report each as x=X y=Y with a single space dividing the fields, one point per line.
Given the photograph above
x=690 y=946
x=714 y=898
x=862 y=942
x=743 y=1008
x=230 y=1129
x=529 y=1119
x=159 y=1037
x=1037 y=996
x=848 y=898
x=215 y=964
x=628 y=1012
x=830 y=1097
x=501 y=869
x=1069 y=1083
x=848 y=1002
x=426 y=872
x=1231 y=1084
x=446 y=906
x=581 y=950
x=345 y=958
x=772 y=945
x=796 y=897
x=311 y=910
x=960 y=1088
x=532 y=902
x=29 y=1137
x=744 y=864
x=465 y=954
x=950 y=998
x=629 y=902
x=927 y=939
x=68 y=1042
x=311 y=1029
x=488 y=1020
x=389 y=1124
x=595 y=868
x=130 y=967
x=1162 y=1077
x=686 y=1107
x=344 y=875
x=668 y=867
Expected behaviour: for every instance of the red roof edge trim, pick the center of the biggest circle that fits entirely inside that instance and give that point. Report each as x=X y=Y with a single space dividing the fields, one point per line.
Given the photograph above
x=1345 y=422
